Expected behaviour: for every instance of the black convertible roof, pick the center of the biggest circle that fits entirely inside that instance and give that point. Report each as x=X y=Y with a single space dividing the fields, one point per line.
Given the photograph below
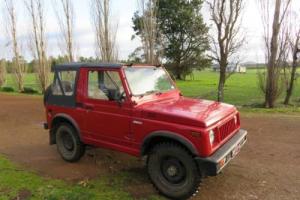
x=76 y=66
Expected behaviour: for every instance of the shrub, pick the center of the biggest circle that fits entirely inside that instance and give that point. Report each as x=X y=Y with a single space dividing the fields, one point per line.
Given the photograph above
x=29 y=90
x=7 y=89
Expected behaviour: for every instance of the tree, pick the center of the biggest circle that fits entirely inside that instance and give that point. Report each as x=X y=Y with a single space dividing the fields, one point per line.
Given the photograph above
x=2 y=72
x=146 y=27
x=38 y=42
x=294 y=45
x=18 y=67
x=226 y=17
x=106 y=47
x=184 y=36
x=276 y=46
x=135 y=56
x=9 y=66
x=60 y=59
x=66 y=25
x=89 y=59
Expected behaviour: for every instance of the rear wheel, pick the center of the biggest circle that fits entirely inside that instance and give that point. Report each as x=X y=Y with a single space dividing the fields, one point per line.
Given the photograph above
x=173 y=171
x=68 y=143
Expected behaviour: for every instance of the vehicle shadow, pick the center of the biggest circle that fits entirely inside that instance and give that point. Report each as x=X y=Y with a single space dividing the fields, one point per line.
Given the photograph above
x=127 y=171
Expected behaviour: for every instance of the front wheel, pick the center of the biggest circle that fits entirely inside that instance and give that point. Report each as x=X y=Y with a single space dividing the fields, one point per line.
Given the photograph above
x=173 y=171
x=68 y=143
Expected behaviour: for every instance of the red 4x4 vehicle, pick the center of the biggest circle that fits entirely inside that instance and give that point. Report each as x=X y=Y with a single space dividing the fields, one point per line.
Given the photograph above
x=138 y=110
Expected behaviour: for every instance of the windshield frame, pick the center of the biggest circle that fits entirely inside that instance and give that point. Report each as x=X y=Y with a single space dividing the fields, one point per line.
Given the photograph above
x=151 y=93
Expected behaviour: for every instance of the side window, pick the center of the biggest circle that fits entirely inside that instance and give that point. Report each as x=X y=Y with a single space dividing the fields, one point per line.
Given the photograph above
x=65 y=80
x=56 y=88
x=105 y=85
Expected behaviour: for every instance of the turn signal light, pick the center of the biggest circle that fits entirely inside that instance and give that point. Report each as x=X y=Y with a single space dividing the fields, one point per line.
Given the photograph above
x=222 y=162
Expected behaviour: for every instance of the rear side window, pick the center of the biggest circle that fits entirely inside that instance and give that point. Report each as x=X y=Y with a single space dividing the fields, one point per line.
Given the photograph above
x=64 y=83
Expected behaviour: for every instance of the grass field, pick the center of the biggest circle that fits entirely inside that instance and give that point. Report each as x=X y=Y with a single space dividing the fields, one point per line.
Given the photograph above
x=16 y=183
x=30 y=81
x=240 y=89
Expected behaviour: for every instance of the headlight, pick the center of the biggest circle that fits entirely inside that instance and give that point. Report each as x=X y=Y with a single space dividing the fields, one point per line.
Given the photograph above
x=211 y=136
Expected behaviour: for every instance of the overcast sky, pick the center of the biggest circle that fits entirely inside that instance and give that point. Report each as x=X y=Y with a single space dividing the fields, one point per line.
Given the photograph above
x=122 y=11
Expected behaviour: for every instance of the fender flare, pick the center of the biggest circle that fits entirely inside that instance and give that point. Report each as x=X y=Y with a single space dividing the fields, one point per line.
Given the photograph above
x=168 y=135
x=69 y=119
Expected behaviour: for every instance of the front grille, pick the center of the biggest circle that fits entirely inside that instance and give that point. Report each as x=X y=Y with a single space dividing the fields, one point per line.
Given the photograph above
x=227 y=128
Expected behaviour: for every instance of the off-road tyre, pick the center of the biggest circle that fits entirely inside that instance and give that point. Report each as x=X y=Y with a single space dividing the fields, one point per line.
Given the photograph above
x=181 y=183
x=68 y=143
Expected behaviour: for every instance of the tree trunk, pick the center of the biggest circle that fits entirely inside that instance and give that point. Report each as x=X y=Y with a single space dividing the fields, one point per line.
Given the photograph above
x=2 y=73
x=222 y=79
x=178 y=72
x=106 y=34
x=290 y=88
x=18 y=68
x=178 y=76
x=289 y=91
x=69 y=17
x=35 y=9
x=271 y=82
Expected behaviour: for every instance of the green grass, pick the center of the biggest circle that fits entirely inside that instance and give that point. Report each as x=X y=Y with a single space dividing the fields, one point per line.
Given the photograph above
x=15 y=182
x=29 y=80
x=240 y=89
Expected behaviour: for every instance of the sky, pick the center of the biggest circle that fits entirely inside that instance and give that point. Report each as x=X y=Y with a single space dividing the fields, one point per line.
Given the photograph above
x=122 y=12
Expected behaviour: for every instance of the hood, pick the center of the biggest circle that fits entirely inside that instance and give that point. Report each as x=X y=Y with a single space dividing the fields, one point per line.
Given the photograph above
x=186 y=111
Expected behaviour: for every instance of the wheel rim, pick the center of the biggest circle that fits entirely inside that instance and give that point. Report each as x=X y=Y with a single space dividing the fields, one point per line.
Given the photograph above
x=173 y=170
x=67 y=141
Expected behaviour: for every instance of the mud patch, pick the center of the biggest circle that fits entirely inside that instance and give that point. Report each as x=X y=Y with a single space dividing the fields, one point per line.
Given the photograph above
x=23 y=194
x=4 y=190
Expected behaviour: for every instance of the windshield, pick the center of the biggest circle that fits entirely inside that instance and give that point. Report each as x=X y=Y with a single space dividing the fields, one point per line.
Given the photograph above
x=147 y=80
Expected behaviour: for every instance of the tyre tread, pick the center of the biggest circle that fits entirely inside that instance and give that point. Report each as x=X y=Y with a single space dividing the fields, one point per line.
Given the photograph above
x=195 y=189
x=81 y=146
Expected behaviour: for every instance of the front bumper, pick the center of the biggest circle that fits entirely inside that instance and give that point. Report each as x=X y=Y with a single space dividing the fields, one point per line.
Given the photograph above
x=213 y=165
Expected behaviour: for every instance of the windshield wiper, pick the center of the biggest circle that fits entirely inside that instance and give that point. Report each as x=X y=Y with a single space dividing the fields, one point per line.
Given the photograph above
x=157 y=92
x=152 y=91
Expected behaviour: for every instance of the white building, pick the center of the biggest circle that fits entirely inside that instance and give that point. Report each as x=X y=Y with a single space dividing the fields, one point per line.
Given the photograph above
x=236 y=68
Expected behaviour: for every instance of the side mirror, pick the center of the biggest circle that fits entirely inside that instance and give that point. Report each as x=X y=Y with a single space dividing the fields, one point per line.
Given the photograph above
x=116 y=95
x=120 y=96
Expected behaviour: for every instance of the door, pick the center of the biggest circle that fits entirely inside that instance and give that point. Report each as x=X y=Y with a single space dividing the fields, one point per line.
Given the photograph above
x=108 y=111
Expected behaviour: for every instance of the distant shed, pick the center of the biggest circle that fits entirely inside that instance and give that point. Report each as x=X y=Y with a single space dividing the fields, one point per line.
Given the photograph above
x=236 y=68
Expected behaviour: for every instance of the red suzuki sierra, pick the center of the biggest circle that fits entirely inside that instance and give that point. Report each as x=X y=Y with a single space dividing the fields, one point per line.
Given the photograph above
x=138 y=110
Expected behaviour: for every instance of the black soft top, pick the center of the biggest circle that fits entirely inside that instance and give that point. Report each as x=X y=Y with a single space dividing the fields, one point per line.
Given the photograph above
x=77 y=66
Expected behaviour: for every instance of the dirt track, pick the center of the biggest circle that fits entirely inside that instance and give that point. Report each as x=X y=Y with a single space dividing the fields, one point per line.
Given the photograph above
x=268 y=167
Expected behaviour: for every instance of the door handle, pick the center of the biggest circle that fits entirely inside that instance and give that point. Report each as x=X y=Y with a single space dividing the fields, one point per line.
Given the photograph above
x=88 y=106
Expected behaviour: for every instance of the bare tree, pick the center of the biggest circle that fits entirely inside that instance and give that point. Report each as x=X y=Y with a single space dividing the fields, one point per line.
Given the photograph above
x=294 y=45
x=66 y=24
x=276 y=45
x=149 y=33
x=105 y=33
x=38 y=42
x=18 y=67
x=2 y=73
x=225 y=15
